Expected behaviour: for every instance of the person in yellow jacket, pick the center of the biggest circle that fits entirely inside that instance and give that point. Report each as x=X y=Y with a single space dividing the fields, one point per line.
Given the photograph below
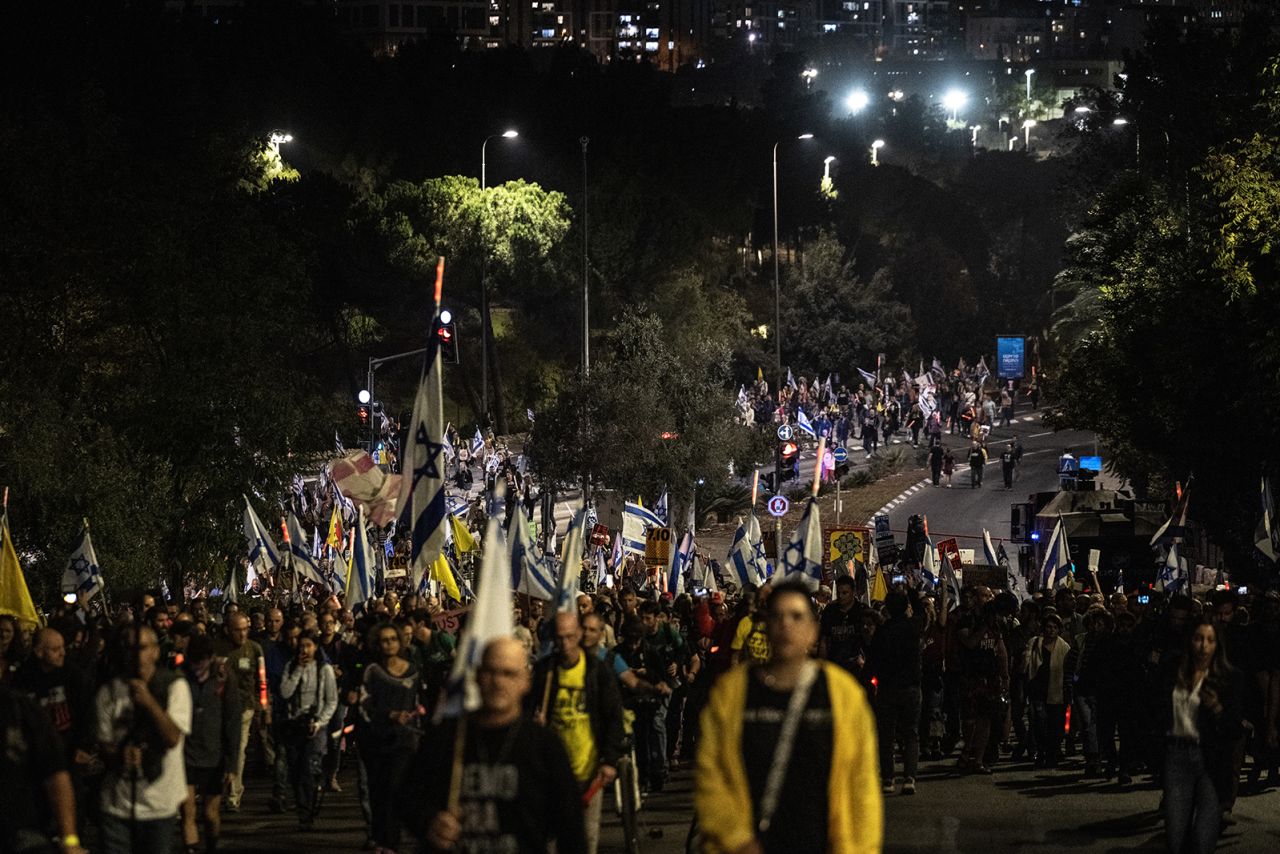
x=787 y=760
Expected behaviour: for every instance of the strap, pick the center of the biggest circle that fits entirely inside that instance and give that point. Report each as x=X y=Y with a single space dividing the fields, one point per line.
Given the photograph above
x=786 y=740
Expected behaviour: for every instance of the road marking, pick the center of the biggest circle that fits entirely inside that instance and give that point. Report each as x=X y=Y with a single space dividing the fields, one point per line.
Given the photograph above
x=1038 y=435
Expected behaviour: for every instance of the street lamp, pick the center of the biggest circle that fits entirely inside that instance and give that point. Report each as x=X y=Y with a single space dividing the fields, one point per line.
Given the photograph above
x=777 y=305
x=1029 y=72
x=484 y=289
x=875 y=148
x=857 y=101
x=975 y=130
x=809 y=74
x=1026 y=129
x=953 y=102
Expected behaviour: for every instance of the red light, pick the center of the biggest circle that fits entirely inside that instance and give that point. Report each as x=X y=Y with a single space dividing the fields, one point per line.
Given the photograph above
x=445 y=333
x=668 y=435
x=788 y=449
x=1066 y=727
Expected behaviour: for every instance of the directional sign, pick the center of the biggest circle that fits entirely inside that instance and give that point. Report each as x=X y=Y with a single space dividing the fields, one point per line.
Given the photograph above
x=779 y=505
x=840 y=455
x=785 y=433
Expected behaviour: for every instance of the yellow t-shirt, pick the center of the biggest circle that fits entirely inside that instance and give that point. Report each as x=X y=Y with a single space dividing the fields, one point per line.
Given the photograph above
x=750 y=634
x=571 y=722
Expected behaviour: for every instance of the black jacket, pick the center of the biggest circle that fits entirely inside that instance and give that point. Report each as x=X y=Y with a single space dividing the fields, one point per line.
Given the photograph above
x=894 y=658
x=604 y=702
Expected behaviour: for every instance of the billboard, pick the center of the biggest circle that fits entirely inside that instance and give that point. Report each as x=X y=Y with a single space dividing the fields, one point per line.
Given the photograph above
x=847 y=544
x=1011 y=357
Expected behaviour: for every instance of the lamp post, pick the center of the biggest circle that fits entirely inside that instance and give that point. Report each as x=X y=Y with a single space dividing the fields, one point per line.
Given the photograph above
x=777 y=309
x=953 y=101
x=1029 y=72
x=975 y=129
x=1026 y=129
x=484 y=288
x=875 y=151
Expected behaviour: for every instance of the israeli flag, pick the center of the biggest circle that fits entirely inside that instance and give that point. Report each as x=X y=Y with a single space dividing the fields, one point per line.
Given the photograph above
x=867 y=377
x=679 y=563
x=803 y=423
x=1173 y=574
x=568 y=582
x=929 y=569
x=791 y=381
x=636 y=521
x=299 y=550
x=422 y=481
x=988 y=550
x=615 y=556
x=477 y=442
x=803 y=556
x=83 y=575
x=1056 y=569
x=529 y=414
x=661 y=510
x=746 y=555
x=531 y=573
x=262 y=549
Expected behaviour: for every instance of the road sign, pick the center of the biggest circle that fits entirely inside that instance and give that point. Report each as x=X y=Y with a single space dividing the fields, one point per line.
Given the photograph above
x=785 y=433
x=840 y=455
x=779 y=505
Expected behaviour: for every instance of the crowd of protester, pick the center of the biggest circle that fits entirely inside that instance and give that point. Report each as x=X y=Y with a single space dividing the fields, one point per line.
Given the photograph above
x=139 y=732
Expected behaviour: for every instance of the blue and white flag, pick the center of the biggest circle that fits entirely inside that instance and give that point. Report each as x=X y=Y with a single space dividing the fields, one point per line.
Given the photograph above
x=361 y=572
x=678 y=563
x=746 y=555
x=422 y=482
x=529 y=414
x=636 y=522
x=83 y=576
x=615 y=556
x=339 y=573
x=1175 y=527
x=989 y=550
x=568 y=580
x=301 y=552
x=1056 y=569
x=1017 y=584
x=791 y=381
x=490 y=619
x=867 y=377
x=262 y=546
x=661 y=509
x=1173 y=573
x=803 y=555
x=602 y=568
x=929 y=568
x=531 y=573
x=477 y=442
x=317 y=543
x=804 y=425
x=337 y=444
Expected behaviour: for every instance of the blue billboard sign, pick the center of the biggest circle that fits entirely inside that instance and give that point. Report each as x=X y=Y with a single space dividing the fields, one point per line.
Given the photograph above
x=1011 y=357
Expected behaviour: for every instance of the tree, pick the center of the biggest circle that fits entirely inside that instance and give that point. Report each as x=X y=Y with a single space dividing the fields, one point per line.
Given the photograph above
x=832 y=320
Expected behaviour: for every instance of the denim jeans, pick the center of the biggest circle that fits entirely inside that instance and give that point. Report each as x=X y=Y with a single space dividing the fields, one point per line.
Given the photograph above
x=1084 y=722
x=1191 y=808
x=120 y=836
x=897 y=717
x=305 y=756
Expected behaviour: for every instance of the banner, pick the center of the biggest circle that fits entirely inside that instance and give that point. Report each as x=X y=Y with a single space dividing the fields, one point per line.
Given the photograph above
x=657 y=546
x=847 y=544
x=1011 y=357
x=949 y=551
x=600 y=535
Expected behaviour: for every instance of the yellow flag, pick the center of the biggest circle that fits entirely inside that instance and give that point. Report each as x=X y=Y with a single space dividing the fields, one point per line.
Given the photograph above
x=334 y=540
x=15 y=598
x=879 y=590
x=441 y=572
x=462 y=539
x=759 y=374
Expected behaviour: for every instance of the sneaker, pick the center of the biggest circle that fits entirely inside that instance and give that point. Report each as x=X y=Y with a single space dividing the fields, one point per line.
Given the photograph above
x=887 y=787
x=332 y=785
x=909 y=786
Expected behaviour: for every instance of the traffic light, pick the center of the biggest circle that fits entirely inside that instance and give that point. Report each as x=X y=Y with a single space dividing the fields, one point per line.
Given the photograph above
x=448 y=343
x=788 y=451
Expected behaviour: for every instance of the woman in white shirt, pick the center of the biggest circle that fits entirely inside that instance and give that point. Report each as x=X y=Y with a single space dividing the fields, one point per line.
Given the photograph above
x=1202 y=716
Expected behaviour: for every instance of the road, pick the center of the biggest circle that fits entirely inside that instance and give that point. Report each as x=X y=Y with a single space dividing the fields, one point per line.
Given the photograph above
x=1018 y=809
x=963 y=512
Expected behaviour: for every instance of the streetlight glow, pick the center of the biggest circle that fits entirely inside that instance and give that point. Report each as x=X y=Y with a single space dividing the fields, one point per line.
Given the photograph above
x=875 y=151
x=857 y=101
x=805 y=136
x=954 y=101
x=510 y=134
x=1029 y=72
x=1120 y=122
x=446 y=316
x=364 y=396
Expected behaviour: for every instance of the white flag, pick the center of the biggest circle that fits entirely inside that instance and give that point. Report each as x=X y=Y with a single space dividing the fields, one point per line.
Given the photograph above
x=422 y=480
x=491 y=618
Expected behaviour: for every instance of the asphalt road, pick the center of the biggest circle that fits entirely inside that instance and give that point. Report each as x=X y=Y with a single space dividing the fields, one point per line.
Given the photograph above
x=963 y=512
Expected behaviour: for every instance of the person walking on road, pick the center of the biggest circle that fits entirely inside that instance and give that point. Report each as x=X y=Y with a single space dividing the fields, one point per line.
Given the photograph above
x=787 y=760
x=977 y=462
x=1008 y=462
x=894 y=662
x=935 y=461
x=948 y=465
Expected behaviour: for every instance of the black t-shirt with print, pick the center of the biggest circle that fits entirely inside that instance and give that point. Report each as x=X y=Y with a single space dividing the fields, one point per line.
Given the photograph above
x=799 y=822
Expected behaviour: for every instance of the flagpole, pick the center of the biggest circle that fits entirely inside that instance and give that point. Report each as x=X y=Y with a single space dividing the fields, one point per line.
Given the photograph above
x=817 y=468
